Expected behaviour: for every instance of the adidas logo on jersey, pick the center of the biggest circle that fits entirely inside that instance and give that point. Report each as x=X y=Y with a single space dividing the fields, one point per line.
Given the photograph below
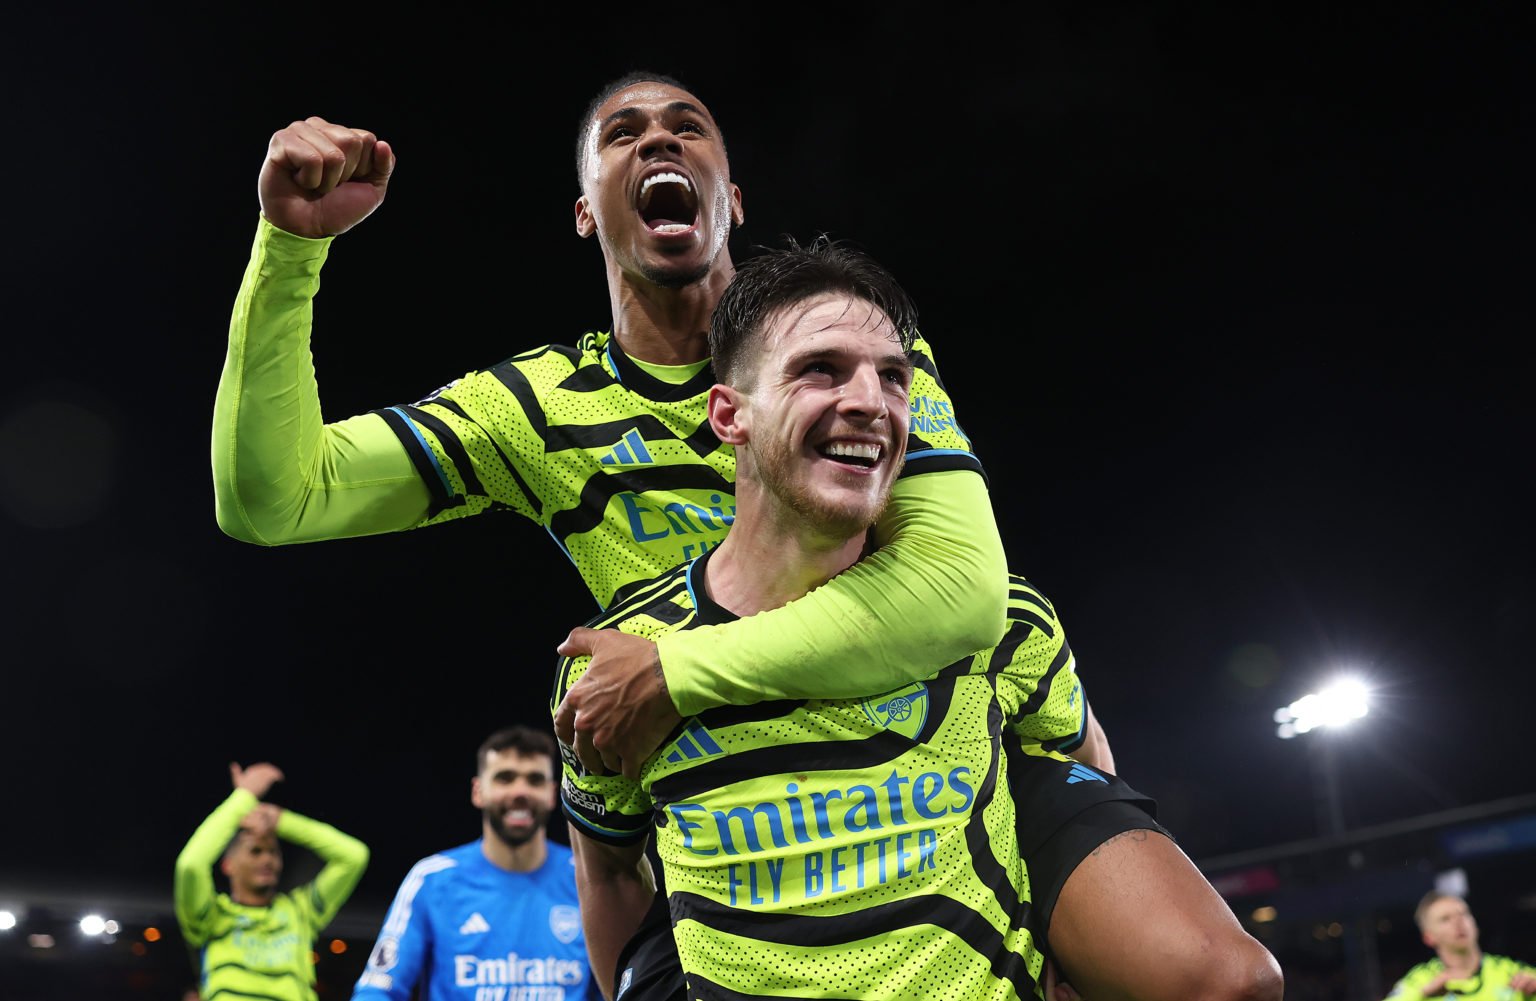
x=475 y=925
x=629 y=451
x=695 y=742
x=1081 y=773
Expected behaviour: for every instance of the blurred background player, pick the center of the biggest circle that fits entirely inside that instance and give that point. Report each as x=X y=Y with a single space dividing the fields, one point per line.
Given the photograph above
x=500 y=912
x=255 y=940
x=1460 y=968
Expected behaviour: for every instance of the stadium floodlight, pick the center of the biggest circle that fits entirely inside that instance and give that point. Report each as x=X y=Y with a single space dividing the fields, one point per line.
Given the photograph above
x=93 y=924
x=7 y=920
x=1338 y=704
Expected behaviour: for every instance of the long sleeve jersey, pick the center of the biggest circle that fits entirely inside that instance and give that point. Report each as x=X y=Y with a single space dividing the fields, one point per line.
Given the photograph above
x=622 y=470
x=246 y=951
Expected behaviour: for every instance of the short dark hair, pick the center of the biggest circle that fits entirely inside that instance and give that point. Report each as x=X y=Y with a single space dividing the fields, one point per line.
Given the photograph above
x=523 y=739
x=777 y=278
x=611 y=88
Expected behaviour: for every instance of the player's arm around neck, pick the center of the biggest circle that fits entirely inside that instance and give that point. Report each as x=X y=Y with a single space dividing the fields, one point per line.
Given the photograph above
x=935 y=590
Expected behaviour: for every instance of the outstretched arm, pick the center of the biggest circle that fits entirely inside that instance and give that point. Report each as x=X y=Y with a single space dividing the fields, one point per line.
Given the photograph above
x=280 y=473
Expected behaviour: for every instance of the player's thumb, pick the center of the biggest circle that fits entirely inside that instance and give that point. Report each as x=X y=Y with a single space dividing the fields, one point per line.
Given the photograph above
x=383 y=164
x=578 y=643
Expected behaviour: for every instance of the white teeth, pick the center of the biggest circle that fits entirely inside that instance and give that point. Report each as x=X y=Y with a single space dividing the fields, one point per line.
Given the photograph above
x=667 y=177
x=672 y=227
x=855 y=449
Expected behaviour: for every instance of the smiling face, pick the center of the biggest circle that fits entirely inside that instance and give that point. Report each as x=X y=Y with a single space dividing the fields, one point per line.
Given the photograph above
x=823 y=413
x=516 y=794
x=656 y=187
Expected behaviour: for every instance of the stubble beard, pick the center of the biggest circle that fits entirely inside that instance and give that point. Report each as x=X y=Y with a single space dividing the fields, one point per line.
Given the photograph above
x=516 y=839
x=675 y=277
x=830 y=519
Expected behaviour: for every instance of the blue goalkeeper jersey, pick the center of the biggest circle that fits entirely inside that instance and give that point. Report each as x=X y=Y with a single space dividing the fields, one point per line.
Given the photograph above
x=463 y=929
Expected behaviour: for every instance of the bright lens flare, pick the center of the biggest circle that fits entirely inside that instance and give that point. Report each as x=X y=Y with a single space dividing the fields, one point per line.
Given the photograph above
x=1341 y=703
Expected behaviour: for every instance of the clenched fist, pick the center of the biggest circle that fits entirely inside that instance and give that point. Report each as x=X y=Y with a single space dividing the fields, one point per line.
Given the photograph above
x=321 y=179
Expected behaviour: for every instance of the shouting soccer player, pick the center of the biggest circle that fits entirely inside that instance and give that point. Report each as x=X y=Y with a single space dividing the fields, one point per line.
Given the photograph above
x=606 y=445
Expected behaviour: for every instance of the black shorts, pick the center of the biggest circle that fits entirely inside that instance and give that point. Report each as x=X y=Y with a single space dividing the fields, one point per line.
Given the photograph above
x=1066 y=809
x=649 y=969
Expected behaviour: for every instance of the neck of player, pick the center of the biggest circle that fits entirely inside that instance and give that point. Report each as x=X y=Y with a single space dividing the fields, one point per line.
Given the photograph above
x=1461 y=963
x=773 y=555
x=665 y=326
x=247 y=896
x=525 y=857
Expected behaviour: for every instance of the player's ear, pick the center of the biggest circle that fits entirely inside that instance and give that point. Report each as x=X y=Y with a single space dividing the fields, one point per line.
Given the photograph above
x=738 y=214
x=586 y=225
x=727 y=414
x=475 y=797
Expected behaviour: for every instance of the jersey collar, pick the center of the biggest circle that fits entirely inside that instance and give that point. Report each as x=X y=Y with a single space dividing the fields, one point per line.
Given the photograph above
x=637 y=380
x=709 y=612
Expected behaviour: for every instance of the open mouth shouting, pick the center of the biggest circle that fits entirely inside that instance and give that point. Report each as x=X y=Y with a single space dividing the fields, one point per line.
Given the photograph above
x=667 y=203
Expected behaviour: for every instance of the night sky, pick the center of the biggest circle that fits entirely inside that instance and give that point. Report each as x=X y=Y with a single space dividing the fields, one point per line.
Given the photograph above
x=1229 y=303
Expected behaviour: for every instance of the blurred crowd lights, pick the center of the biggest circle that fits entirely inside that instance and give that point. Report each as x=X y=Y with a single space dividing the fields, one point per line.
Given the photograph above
x=97 y=926
x=1338 y=704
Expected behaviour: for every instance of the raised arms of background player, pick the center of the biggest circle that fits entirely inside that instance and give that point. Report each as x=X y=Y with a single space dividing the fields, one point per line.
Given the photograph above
x=934 y=592
x=345 y=857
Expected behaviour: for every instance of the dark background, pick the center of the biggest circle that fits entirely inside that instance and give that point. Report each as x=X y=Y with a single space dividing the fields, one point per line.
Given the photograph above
x=1229 y=301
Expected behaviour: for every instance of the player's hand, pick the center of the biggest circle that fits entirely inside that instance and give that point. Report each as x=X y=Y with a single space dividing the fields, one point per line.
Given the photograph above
x=257 y=780
x=619 y=711
x=1436 y=987
x=321 y=179
x=261 y=820
x=1524 y=982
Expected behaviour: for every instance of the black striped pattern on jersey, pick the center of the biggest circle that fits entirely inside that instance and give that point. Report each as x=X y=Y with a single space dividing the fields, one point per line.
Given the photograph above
x=537 y=434
x=811 y=930
x=809 y=756
x=656 y=599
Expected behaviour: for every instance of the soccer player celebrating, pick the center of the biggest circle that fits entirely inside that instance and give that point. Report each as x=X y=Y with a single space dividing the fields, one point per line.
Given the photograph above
x=255 y=940
x=605 y=443
x=855 y=847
